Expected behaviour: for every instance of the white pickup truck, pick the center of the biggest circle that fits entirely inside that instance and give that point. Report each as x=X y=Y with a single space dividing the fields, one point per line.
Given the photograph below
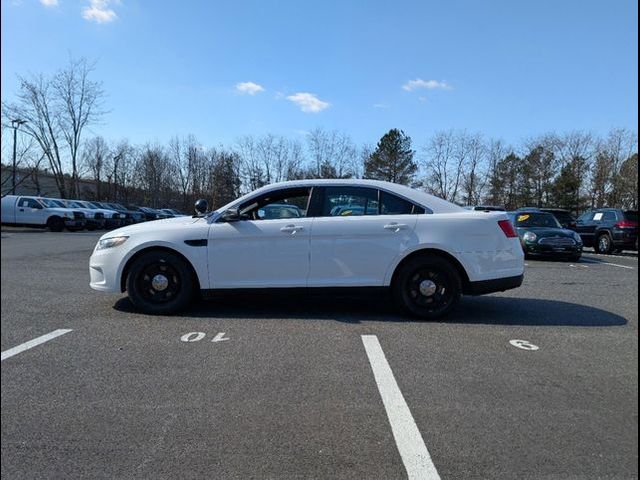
x=36 y=212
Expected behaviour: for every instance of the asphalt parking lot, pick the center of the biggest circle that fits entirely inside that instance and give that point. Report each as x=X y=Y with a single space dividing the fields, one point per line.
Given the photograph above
x=296 y=387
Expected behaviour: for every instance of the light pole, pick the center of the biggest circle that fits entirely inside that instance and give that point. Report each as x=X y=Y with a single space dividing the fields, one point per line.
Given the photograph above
x=15 y=124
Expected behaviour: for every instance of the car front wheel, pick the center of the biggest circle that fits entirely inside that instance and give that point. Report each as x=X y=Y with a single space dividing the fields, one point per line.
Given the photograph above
x=427 y=287
x=160 y=283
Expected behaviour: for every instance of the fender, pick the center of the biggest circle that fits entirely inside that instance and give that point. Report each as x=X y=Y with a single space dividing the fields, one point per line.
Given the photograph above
x=422 y=246
x=196 y=255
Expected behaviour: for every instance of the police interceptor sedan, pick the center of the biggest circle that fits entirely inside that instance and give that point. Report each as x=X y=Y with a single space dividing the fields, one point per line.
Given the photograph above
x=315 y=234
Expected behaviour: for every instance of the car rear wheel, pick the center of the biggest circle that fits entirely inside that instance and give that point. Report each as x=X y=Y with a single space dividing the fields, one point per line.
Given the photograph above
x=427 y=287
x=604 y=245
x=160 y=283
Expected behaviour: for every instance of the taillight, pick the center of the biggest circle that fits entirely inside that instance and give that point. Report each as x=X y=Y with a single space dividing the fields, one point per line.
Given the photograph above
x=627 y=224
x=507 y=228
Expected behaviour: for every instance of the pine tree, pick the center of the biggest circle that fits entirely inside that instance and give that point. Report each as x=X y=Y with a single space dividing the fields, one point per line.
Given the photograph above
x=392 y=159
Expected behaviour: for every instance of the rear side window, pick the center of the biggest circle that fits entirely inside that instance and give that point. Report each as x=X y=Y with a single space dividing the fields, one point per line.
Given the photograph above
x=631 y=215
x=349 y=201
x=609 y=216
x=392 y=205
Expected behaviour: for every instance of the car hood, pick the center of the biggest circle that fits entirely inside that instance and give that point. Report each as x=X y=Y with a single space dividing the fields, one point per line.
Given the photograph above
x=154 y=225
x=547 y=232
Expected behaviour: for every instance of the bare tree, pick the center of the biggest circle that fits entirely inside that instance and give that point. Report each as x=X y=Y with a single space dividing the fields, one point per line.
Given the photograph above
x=79 y=105
x=95 y=156
x=610 y=153
x=36 y=105
x=474 y=173
x=332 y=153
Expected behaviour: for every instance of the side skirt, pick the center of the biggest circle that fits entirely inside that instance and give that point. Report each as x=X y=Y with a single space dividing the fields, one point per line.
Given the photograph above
x=310 y=291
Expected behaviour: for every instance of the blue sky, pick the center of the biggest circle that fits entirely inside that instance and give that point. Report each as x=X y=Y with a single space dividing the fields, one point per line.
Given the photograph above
x=509 y=69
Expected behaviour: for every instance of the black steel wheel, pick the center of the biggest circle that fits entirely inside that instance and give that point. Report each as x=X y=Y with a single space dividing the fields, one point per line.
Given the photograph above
x=160 y=283
x=428 y=287
x=55 y=224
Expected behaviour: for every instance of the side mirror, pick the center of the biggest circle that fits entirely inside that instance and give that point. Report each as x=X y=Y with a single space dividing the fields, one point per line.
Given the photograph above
x=231 y=215
x=201 y=207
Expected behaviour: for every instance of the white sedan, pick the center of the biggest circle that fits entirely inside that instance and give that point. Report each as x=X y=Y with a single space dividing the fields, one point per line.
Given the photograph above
x=315 y=234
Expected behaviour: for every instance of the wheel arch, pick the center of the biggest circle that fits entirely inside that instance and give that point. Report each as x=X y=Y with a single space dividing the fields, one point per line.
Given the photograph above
x=156 y=248
x=434 y=252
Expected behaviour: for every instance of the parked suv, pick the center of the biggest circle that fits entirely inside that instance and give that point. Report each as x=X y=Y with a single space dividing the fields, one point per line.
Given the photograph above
x=609 y=230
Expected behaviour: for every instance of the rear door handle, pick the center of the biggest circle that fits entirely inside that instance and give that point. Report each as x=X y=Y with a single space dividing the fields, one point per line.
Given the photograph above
x=291 y=229
x=396 y=227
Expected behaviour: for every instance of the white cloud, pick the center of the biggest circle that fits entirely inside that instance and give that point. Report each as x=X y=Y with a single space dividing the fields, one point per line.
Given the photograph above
x=308 y=102
x=249 y=88
x=428 y=84
x=98 y=11
x=49 y=3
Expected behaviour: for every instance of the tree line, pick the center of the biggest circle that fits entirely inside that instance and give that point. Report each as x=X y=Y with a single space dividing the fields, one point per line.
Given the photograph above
x=574 y=170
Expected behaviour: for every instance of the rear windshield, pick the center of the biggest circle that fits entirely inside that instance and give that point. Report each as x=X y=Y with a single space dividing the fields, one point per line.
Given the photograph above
x=535 y=219
x=631 y=215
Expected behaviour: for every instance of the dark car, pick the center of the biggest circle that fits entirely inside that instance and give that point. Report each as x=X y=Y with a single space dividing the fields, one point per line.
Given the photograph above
x=564 y=217
x=541 y=234
x=609 y=230
x=129 y=216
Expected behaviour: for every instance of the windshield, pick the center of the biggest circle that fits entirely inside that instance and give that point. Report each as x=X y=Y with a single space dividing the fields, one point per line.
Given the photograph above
x=52 y=203
x=536 y=219
x=88 y=205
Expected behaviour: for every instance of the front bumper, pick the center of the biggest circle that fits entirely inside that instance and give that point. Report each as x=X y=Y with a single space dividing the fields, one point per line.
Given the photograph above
x=103 y=271
x=72 y=223
x=552 y=251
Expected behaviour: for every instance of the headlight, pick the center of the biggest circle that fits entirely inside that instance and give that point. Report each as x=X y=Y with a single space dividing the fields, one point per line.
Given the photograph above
x=577 y=237
x=110 y=242
x=529 y=237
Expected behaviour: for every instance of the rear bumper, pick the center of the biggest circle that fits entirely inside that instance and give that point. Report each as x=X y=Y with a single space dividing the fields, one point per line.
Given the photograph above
x=496 y=285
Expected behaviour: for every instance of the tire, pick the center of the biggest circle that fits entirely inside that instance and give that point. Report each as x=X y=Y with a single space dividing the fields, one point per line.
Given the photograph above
x=603 y=245
x=173 y=292
x=427 y=301
x=55 y=224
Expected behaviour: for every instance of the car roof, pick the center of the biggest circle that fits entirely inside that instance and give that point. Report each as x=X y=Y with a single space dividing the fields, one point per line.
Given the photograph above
x=433 y=203
x=554 y=209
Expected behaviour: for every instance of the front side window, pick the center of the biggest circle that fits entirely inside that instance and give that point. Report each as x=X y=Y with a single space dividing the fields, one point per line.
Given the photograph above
x=288 y=203
x=585 y=217
x=349 y=201
x=29 y=203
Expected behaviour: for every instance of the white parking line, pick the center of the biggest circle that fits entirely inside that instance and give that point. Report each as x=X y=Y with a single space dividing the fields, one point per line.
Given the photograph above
x=608 y=263
x=33 y=343
x=413 y=451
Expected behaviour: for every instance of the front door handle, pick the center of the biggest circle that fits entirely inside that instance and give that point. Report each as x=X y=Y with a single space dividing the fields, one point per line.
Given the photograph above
x=292 y=229
x=396 y=227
